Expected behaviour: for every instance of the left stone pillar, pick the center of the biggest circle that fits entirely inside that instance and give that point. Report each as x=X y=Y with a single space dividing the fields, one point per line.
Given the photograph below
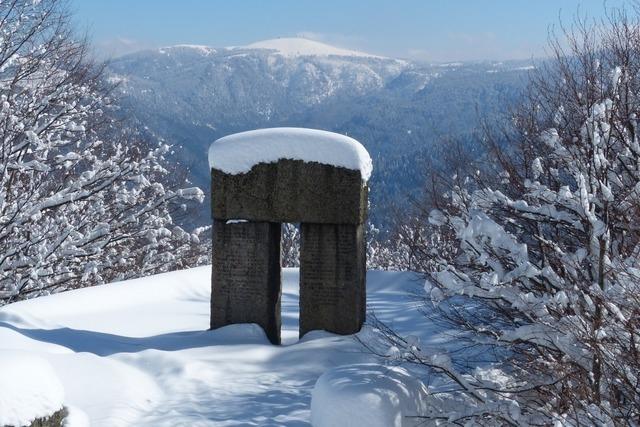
x=246 y=278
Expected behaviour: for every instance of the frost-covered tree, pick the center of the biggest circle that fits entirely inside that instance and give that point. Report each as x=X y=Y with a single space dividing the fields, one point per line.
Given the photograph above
x=534 y=253
x=81 y=197
x=382 y=254
x=290 y=245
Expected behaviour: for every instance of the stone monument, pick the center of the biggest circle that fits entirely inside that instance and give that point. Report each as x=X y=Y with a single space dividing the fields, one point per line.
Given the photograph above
x=260 y=179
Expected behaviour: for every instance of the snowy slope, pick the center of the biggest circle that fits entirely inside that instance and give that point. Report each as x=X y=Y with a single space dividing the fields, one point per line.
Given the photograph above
x=139 y=353
x=296 y=46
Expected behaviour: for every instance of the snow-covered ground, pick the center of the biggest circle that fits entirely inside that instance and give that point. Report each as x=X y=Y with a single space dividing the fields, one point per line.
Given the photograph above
x=139 y=353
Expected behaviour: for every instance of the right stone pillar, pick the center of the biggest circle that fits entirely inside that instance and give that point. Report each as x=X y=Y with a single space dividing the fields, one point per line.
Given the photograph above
x=332 y=278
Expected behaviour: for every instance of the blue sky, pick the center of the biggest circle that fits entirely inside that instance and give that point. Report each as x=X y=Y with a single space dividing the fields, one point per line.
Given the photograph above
x=431 y=30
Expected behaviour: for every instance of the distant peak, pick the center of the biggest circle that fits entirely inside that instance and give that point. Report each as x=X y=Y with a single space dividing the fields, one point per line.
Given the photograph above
x=295 y=46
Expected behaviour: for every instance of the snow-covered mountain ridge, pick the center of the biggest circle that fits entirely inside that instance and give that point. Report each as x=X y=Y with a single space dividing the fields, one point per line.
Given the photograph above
x=191 y=95
x=284 y=46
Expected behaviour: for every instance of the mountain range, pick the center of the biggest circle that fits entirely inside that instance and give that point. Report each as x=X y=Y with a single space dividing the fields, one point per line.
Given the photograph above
x=403 y=112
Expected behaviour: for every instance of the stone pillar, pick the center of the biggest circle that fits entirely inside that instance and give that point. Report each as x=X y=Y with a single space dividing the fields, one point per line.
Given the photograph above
x=332 y=278
x=246 y=278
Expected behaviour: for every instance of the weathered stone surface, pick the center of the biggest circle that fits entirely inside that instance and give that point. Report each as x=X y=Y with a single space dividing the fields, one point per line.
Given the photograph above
x=246 y=277
x=291 y=191
x=332 y=278
x=331 y=204
x=54 y=420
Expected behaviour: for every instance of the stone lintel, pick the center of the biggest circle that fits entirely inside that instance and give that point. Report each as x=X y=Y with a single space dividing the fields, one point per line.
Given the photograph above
x=291 y=191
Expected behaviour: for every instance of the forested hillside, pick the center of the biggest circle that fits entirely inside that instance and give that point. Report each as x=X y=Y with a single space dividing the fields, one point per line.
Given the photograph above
x=403 y=112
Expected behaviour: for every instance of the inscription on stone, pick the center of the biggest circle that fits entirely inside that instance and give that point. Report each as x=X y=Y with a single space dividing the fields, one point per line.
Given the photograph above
x=331 y=278
x=246 y=275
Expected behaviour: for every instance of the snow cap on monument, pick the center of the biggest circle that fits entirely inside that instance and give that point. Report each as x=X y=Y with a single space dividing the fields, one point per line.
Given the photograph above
x=238 y=153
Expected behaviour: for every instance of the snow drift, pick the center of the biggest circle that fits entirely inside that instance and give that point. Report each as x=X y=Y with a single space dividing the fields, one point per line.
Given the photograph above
x=29 y=389
x=367 y=395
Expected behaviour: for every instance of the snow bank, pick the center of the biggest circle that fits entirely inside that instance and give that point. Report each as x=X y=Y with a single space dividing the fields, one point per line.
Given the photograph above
x=238 y=153
x=367 y=395
x=29 y=389
x=76 y=417
x=139 y=353
x=297 y=46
